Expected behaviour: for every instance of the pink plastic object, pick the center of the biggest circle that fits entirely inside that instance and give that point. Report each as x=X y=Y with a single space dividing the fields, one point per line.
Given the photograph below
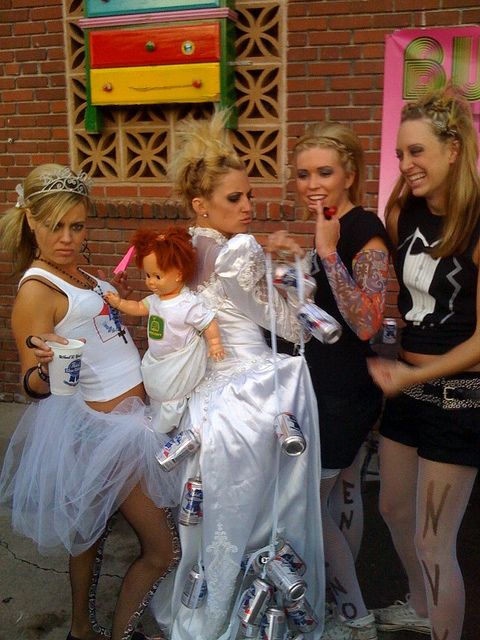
x=123 y=264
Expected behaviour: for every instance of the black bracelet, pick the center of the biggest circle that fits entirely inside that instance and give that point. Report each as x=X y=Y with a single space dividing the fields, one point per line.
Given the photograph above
x=28 y=390
x=41 y=373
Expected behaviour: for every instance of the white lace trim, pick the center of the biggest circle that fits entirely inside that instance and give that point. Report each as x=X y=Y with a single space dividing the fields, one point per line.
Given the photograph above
x=222 y=575
x=253 y=271
x=207 y=232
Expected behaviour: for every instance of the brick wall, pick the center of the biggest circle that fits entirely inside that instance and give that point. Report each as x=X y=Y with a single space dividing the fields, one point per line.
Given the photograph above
x=334 y=71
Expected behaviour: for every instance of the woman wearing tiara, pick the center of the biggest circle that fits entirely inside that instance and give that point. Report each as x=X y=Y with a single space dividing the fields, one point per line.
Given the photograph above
x=251 y=490
x=75 y=460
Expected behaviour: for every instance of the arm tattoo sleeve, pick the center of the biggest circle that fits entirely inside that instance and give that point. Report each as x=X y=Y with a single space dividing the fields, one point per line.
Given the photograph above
x=361 y=298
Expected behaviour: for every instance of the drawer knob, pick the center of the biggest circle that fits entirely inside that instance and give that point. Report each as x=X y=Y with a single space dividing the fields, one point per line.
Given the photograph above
x=150 y=46
x=107 y=87
x=197 y=84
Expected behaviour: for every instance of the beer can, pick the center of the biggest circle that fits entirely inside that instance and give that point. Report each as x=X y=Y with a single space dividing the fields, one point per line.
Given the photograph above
x=319 y=323
x=302 y=616
x=177 y=448
x=289 y=556
x=260 y=559
x=285 y=277
x=191 y=507
x=195 y=589
x=273 y=625
x=254 y=602
x=282 y=576
x=289 y=433
x=389 y=331
x=249 y=631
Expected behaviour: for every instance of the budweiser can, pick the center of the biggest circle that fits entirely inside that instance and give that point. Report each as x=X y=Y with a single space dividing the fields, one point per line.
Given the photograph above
x=195 y=589
x=191 y=507
x=319 y=323
x=389 y=331
x=285 y=579
x=273 y=625
x=254 y=602
x=289 y=433
x=301 y=614
x=289 y=556
x=182 y=445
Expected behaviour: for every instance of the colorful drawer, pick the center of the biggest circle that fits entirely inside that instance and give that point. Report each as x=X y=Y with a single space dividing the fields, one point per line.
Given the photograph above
x=161 y=45
x=162 y=57
x=95 y=8
x=159 y=84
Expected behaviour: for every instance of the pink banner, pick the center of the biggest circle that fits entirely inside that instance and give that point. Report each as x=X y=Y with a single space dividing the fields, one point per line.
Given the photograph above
x=416 y=61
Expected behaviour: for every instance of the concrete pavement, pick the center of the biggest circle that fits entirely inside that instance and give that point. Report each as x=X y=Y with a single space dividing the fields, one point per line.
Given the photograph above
x=35 y=595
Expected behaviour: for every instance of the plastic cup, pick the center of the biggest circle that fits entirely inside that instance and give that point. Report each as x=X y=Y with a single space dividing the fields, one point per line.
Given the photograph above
x=64 y=369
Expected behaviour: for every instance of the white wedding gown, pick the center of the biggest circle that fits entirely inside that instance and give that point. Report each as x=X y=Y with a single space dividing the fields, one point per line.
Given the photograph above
x=240 y=460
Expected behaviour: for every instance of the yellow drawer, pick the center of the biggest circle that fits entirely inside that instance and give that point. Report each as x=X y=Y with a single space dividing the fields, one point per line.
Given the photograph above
x=158 y=84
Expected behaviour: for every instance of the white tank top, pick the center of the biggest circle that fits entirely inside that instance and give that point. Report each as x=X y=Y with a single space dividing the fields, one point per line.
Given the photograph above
x=110 y=366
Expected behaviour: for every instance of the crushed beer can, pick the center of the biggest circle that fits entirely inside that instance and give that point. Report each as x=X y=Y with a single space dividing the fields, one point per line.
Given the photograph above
x=273 y=625
x=195 y=589
x=284 y=578
x=301 y=614
x=254 y=602
x=192 y=503
x=289 y=434
x=177 y=448
x=319 y=323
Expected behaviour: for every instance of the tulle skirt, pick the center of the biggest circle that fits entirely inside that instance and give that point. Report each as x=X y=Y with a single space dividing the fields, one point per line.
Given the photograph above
x=68 y=468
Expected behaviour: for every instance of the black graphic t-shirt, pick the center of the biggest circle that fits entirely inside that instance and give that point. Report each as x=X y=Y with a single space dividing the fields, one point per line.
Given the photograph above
x=437 y=297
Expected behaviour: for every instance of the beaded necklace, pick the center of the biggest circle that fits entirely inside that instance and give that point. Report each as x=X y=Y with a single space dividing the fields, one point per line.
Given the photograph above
x=91 y=284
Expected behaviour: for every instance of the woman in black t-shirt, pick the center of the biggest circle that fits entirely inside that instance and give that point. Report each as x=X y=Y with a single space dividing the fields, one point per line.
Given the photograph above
x=350 y=267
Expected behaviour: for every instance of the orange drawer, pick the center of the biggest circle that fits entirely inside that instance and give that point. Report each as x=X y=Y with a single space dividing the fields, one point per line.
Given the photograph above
x=151 y=85
x=153 y=46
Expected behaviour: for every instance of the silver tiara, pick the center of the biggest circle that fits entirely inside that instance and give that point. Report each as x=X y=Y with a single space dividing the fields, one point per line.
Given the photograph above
x=62 y=180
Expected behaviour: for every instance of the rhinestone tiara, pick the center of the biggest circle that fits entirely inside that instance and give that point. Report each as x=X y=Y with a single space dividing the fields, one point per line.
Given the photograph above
x=62 y=180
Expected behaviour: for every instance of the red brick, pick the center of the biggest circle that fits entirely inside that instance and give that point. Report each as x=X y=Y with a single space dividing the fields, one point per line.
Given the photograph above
x=24 y=28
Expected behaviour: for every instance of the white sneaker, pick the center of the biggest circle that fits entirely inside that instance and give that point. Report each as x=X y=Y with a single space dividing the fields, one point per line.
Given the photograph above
x=339 y=628
x=400 y=616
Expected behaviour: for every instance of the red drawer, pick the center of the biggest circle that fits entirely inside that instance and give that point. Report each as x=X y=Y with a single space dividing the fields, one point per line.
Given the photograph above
x=154 y=46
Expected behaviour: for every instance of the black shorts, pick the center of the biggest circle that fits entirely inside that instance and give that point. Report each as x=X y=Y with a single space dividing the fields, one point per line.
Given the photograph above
x=442 y=435
x=345 y=421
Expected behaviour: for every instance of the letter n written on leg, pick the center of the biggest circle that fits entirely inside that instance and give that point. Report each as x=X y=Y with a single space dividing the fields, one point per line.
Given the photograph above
x=430 y=512
x=433 y=582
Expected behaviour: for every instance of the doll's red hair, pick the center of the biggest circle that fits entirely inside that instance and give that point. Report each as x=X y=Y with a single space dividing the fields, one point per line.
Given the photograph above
x=172 y=247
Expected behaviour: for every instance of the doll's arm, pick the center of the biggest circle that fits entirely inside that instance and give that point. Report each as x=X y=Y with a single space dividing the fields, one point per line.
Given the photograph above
x=130 y=307
x=215 y=346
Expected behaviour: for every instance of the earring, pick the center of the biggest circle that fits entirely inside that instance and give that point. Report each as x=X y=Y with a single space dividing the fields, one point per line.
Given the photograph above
x=204 y=215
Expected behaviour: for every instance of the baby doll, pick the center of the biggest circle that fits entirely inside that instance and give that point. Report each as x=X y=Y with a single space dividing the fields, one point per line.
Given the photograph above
x=178 y=322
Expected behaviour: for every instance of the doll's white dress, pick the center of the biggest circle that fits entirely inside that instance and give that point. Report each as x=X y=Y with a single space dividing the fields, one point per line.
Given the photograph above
x=239 y=461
